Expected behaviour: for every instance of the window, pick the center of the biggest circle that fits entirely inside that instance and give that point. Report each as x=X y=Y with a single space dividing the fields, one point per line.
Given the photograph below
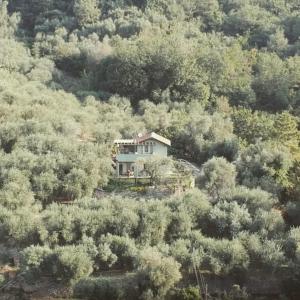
x=146 y=148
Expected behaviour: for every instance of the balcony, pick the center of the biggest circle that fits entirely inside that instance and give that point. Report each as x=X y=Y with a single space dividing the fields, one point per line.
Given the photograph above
x=130 y=157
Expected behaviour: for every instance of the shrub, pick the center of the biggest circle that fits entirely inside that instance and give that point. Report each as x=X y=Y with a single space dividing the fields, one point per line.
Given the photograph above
x=188 y=293
x=252 y=198
x=267 y=254
x=154 y=221
x=237 y=293
x=117 y=250
x=157 y=273
x=68 y=263
x=180 y=225
x=71 y=263
x=268 y=223
x=228 y=219
x=182 y=251
x=191 y=210
x=108 y=288
x=292 y=242
x=293 y=212
x=2 y=280
x=221 y=256
x=34 y=259
x=218 y=177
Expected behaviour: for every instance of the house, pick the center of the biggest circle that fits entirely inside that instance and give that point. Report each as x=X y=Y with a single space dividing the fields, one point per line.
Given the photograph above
x=130 y=153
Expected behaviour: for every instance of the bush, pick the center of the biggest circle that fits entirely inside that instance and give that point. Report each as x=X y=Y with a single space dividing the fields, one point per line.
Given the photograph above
x=268 y=223
x=221 y=256
x=2 y=280
x=108 y=288
x=267 y=254
x=197 y=205
x=293 y=212
x=157 y=273
x=69 y=263
x=189 y=293
x=218 y=177
x=252 y=198
x=292 y=242
x=228 y=219
x=118 y=251
x=237 y=293
x=34 y=259
x=182 y=251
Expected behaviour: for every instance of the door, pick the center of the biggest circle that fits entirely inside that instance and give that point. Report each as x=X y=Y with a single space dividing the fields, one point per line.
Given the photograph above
x=120 y=169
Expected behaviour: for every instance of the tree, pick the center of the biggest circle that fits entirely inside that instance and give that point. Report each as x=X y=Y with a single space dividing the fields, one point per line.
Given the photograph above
x=253 y=199
x=69 y=263
x=158 y=167
x=265 y=165
x=151 y=67
x=286 y=132
x=189 y=293
x=8 y=24
x=250 y=18
x=228 y=219
x=218 y=177
x=278 y=42
x=15 y=190
x=292 y=26
x=209 y=12
x=154 y=223
x=252 y=126
x=86 y=11
x=157 y=273
x=264 y=253
x=271 y=83
x=221 y=256
x=117 y=251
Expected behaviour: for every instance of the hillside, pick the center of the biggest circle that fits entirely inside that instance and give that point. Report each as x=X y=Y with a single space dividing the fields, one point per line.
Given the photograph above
x=220 y=79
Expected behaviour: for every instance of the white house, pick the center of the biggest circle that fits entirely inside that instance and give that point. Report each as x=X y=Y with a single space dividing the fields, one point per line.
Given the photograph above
x=129 y=153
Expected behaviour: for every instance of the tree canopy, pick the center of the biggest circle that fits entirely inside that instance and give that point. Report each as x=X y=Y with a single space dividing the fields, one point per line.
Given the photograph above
x=219 y=78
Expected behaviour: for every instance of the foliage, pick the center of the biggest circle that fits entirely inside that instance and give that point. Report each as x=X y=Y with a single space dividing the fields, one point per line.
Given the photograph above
x=218 y=177
x=265 y=165
x=2 y=280
x=69 y=263
x=108 y=288
x=189 y=293
x=86 y=11
x=157 y=273
x=157 y=167
x=219 y=78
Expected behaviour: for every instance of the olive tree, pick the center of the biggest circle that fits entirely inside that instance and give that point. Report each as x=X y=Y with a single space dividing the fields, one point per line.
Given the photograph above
x=218 y=177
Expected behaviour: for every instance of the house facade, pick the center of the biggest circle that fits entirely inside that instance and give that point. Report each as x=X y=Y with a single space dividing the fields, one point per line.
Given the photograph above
x=130 y=153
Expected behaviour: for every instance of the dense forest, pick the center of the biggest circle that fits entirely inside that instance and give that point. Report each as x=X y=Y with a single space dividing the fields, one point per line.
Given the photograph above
x=219 y=78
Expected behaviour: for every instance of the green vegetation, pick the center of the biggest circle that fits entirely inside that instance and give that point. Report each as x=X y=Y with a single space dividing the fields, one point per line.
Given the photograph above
x=219 y=78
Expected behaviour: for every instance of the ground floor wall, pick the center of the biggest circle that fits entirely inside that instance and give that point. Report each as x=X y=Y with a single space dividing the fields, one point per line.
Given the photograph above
x=130 y=169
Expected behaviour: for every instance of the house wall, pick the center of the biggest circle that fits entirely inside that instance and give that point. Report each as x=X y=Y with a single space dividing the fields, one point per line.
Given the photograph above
x=124 y=167
x=132 y=166
x=128 y=160
x=158 y=149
